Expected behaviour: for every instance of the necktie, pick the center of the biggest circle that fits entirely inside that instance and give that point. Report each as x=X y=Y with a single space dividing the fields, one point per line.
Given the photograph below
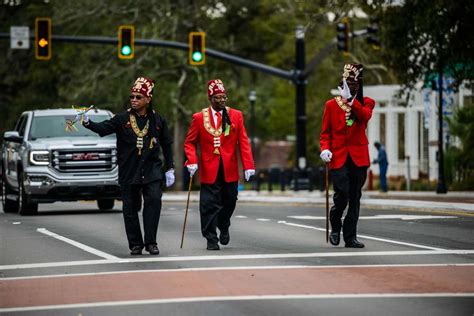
x=219 y=119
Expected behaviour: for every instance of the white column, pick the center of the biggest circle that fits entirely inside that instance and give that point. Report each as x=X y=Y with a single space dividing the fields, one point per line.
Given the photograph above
x=433 y=138
x=373 y=134
x=411 y=141
x=391 y=137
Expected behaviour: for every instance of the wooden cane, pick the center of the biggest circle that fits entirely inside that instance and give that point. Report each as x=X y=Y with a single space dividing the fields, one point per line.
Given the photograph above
x=186 y=213
x=327 y=202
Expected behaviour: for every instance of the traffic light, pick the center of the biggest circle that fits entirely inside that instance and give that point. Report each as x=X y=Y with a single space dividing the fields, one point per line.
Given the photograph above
x=126 y=42
x=373 y=38
x=43 y=38
x=343 y=35
x=197 y=49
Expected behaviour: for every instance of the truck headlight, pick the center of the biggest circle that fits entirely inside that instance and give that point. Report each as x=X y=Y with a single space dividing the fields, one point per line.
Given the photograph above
x=39 y=157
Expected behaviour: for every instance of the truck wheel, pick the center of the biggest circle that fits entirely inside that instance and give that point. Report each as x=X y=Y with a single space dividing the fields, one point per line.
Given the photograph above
x=105 y=204
x=26 y=207
x=9 y=206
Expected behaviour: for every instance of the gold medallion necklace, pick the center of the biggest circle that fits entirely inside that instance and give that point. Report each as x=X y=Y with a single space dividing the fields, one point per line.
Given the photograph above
x=140 y=133
x=216 y=132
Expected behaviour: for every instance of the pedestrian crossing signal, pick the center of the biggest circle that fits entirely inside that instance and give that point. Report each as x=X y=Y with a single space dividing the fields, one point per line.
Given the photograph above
x=43 y=38
x=197 y=50
x=126 y=43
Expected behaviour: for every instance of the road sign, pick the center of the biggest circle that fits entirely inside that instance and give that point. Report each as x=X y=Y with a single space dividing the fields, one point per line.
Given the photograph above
x=19 y=37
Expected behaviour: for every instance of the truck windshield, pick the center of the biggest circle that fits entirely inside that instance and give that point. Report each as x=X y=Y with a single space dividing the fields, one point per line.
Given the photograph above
x=55 y=126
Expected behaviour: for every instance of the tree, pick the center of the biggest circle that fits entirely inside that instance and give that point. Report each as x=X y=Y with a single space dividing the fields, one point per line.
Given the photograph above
x=462 y=126
x=425 y=37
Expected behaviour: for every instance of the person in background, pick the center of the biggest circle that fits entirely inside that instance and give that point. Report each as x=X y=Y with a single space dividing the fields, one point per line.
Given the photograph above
x=140 y=131
x=219 y=131
x=383 y=165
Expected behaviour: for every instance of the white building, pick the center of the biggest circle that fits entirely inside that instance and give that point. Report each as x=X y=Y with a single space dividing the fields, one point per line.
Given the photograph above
x=408 y=127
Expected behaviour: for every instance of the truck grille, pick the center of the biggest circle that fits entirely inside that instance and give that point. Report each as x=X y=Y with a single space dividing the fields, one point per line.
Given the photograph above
x=84 y=160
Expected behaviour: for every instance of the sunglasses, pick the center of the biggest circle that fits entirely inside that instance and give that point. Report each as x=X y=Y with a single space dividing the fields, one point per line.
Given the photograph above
x=138 y=97
x=219 y=98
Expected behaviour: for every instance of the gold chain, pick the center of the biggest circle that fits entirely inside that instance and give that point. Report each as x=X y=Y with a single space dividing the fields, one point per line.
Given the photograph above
x=140 y=133
x=136 y=130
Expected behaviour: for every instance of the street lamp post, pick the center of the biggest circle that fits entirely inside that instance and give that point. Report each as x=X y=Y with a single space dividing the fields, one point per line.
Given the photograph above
x=252 y=99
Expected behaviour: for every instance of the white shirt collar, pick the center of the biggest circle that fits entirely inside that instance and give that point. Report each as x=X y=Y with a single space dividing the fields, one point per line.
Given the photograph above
x=214 y=112
x=214 y=116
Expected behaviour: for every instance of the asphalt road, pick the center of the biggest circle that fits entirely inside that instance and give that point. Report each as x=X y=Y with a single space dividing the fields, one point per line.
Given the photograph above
x=73 y=260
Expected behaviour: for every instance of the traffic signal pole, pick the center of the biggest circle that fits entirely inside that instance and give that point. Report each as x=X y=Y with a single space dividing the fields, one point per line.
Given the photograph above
x=300 y=82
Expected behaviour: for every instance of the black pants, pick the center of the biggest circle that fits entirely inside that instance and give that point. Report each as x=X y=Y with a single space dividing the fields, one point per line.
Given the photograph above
x=347 y=182
x=216 y=205
x=131 y=195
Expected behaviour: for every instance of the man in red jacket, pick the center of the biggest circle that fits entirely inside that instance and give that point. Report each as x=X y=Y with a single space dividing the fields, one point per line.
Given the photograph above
x=218 y=130
x=344 y=145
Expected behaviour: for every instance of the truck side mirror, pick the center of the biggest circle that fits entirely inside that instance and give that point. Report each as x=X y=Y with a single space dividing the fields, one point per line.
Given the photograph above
x=12 y=136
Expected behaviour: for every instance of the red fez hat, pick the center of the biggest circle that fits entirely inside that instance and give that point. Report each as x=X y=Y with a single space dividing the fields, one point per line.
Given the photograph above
x=215 y=86
x=144 y=86
x=352 y=72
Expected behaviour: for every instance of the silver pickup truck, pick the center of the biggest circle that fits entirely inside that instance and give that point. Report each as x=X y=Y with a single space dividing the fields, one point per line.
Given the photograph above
x=44 y=163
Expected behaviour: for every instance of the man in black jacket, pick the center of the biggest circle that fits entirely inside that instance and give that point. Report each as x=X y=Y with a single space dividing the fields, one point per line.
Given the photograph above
x=140 y=133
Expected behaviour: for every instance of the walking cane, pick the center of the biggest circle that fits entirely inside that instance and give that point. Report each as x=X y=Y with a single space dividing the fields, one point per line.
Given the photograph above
x=186 y=213
x=327 y=202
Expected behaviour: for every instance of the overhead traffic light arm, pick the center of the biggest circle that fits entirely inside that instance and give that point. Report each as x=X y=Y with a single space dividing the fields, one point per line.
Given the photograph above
x=278 y=72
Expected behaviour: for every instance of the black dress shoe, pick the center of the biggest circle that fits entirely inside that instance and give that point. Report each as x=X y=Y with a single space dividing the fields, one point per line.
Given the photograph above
x=354 y=243
x=224 y=237
x=212 y=246
x=136 y=250
x=153 y=250
x=335 y=238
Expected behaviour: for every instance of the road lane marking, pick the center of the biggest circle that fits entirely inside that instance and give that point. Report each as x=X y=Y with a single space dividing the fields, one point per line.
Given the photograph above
x=263 y=219
x=365 y=236
x=233 y=298
x=241 y=216
x=241 y=257
x=78 y=245
x=389 y=216
x=224 y=268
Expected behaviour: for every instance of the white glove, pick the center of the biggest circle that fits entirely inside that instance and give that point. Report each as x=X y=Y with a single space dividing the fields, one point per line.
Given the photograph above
x=169 y=177
x=326 y=155
x=192 y=169
x=85 y=117
x=345 y=92
x=248 y=174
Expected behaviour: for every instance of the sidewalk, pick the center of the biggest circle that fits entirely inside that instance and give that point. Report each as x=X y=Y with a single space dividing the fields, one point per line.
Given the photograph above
x=452 y=201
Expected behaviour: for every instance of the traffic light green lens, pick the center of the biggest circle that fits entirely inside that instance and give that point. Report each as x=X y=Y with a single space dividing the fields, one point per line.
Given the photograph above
x=197 y=56
x=126 y=50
